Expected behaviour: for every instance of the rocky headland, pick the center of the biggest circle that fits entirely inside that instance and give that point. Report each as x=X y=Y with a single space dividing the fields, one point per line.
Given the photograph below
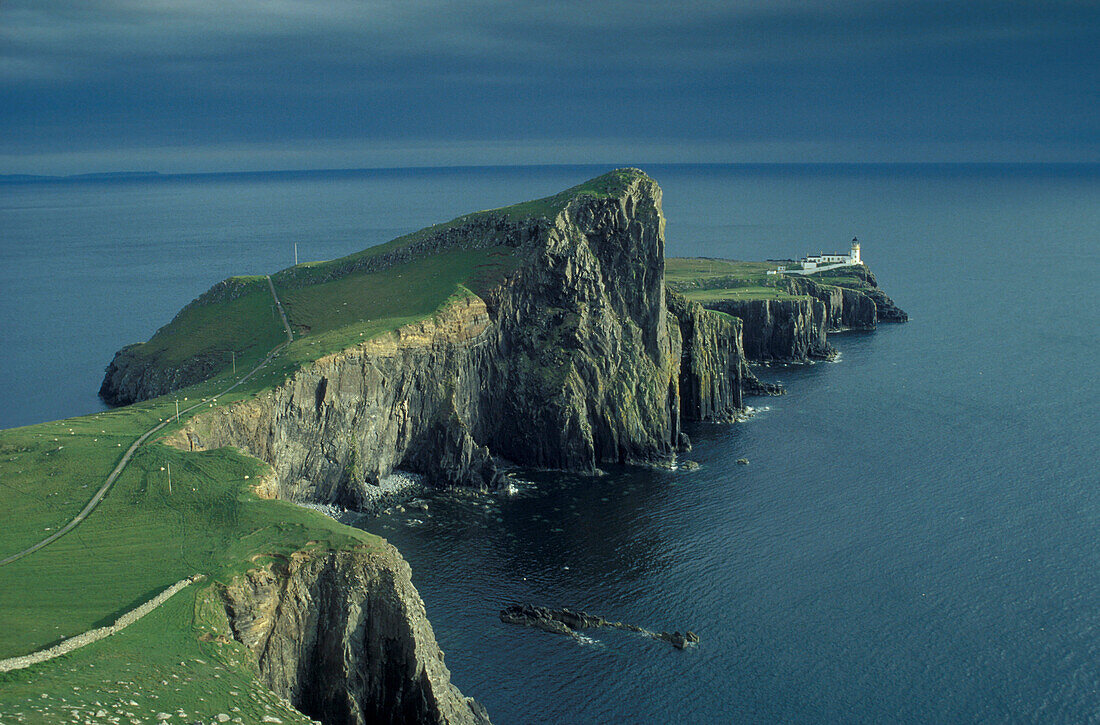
x=791 y=317
x=576 y=357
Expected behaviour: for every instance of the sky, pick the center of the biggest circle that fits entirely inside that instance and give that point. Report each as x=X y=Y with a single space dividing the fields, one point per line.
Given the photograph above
x=220 y=85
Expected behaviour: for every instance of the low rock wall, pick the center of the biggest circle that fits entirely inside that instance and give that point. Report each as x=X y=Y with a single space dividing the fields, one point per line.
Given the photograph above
x=94 y=635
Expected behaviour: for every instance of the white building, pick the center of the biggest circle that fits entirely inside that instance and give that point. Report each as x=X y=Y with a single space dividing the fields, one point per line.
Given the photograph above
x=817 y=260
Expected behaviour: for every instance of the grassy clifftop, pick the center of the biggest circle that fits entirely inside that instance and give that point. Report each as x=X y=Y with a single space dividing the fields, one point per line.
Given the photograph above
x=144 y=536
x=709 y=280
x=141 y=539
x=333 y=304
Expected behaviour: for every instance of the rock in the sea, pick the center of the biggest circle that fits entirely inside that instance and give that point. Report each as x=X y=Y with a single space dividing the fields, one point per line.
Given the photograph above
x=743 y=461
x=566 y=621
x=677 y=640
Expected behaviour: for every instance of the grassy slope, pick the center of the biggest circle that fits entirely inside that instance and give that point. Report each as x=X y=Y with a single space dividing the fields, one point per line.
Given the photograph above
x=334 y=315
x=141 y=539
x=337 y=306
x=840 y=277
x=247 y=325
x=149 y=668
x=137 y=542
x=713 y=280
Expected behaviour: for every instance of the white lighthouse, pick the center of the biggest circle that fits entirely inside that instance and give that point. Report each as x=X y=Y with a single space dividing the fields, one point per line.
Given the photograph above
x=853 y=257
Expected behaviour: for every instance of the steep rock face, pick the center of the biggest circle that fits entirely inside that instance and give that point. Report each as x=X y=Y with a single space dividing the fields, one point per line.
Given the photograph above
x=350 y=418
x=713 y=369
x=575 y=360
x=858 y=310
x=866 y=283
x=343 y=636
x=129 y=378
x=786 y=330
x=845 y=307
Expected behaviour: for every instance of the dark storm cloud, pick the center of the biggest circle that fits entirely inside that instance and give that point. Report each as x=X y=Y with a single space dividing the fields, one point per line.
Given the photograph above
x=785 y=79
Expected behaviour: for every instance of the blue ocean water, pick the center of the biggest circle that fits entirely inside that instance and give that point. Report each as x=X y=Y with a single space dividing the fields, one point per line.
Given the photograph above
x=914 y=539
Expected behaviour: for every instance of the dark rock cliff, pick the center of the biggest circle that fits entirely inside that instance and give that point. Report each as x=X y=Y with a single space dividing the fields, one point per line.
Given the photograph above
x=714 y=373
x=344 y=638
x=795 y=330
x=577 y=359
x=780 y=330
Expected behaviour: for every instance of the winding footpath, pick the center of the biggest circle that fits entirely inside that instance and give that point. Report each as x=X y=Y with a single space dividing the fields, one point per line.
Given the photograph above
x=102 y=492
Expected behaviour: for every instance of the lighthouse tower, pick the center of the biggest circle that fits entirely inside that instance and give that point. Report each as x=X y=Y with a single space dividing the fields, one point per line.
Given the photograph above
x=854 y=257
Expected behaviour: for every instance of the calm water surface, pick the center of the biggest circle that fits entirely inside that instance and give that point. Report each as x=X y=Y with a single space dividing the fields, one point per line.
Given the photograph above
x=914 y=539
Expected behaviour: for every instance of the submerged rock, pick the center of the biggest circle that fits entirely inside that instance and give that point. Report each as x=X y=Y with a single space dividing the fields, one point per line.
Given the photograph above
x=567 y=621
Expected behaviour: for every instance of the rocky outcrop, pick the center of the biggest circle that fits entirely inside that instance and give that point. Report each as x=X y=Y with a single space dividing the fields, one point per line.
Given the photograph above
x=845 y=307
x=576 y=359
x=567 y=621
x=859 y=279
x=343 y=637
x=131 y=377
x=780 y=330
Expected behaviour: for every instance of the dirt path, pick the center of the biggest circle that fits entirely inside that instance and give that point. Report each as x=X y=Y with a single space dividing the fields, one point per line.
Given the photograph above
x=99 y=495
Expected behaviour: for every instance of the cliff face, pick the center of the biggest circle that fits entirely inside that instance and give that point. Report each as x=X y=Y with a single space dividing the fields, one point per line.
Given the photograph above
x=845 y=308
x=344 y=638
x=795 y=330
x=575 y=360
x=713 y=369
x=780 y=329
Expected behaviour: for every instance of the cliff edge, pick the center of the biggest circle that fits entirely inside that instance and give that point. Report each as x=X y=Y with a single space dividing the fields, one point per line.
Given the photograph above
x=571 y=358
x=343 y=636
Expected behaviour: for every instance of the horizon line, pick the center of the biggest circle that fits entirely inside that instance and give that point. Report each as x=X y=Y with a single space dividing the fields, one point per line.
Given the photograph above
x=148 y=175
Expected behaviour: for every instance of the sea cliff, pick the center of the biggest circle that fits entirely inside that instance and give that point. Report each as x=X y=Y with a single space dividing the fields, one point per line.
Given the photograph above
x=343 y=636
x=787 y=317
x=564 y=350
x=577 y=358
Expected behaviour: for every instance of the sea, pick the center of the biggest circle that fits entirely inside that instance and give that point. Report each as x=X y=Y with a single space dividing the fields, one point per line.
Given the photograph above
x=913 y=540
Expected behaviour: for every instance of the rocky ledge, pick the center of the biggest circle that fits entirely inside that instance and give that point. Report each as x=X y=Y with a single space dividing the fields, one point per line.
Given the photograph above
x=796 y=328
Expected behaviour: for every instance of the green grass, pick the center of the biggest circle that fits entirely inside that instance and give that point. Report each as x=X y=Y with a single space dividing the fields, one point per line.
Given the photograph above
x=335 y=315
x=750 y=292
x=714 y=280
x=141 y=539
x=687 y=270
x=140 y=672
x=212 y=327
x=841 y=277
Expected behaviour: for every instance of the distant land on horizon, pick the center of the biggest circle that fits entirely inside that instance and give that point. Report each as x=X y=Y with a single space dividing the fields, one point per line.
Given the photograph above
x=831 y=165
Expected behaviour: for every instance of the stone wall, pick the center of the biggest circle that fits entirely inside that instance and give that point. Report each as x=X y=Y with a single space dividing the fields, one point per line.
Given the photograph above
x=94 y=635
